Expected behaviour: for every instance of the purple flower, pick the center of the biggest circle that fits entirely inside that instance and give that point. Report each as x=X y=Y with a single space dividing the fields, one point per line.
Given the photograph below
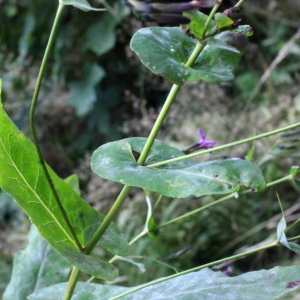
x=204 y=144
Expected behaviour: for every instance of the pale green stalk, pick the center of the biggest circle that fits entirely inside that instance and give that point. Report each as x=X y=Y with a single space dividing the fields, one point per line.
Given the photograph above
x=229 y=145
x=210 y=17
x=240 y=3
x=285 y=178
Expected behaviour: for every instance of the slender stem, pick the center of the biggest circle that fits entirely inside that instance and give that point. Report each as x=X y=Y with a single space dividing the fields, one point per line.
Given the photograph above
x=229 y=145
x=32 y=123
x=211 y=15
x=294 y=238
x=288 y=177
x=108 y=219
x=233 y=257
x=116 y=257
x=194 y=212
x=195 y=54
x=295 y=223
x=165 y=109
x=240 y=3
x=71 y=284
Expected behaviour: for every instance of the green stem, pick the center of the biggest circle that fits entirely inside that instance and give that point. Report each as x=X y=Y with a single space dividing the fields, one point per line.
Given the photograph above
x=194 y=212
x=165 y=109
x=108 y=219
x=247 y=140
x=233 y=257
x=240 y=3
x=32 y=123
x=288 y=177
x=116 y=257
x=210 y=17
x=294 y=238
x=199 y=47
x=71 y=284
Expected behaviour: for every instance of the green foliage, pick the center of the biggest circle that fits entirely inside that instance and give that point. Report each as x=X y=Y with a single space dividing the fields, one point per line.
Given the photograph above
x=206 y=284
x=20 y=164
x=36 y=267
x=168 y=52
x=165 y=51
x=115 y=161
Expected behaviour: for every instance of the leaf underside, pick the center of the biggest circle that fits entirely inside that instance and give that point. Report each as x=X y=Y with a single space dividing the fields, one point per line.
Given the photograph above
x=204 y=284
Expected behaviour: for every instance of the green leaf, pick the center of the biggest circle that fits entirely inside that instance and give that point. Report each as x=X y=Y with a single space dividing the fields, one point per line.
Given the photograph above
x=35 y=267
x=294 y=171
x=215 y=43
x=281 y=237
x=115 y=161
x=204 y=284
x=83 y=94
x=250 y=153
x=101 y=36
x=222 y=20
x=22 y=177
x=73 y=182
x=113 y=240
x=81 y=4
x=165 y=51
x=197 y=24
x=83 y=291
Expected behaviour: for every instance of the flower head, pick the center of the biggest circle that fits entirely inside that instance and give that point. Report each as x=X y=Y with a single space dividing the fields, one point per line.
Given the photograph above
x=204 y=144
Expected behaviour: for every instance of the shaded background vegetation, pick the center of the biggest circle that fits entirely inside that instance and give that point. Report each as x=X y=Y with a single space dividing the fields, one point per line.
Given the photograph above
x=97 y=91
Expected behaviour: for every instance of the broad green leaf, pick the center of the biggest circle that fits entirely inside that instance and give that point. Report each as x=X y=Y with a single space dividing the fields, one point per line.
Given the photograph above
x=22 y=177
x=83 y=94
x=165 y=51
x=115 y=161
x=35 y=267
x=204 y=284
x=81 y=4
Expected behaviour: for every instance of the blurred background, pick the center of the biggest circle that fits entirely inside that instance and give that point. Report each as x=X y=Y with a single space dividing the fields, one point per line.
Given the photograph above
x=96 y=90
